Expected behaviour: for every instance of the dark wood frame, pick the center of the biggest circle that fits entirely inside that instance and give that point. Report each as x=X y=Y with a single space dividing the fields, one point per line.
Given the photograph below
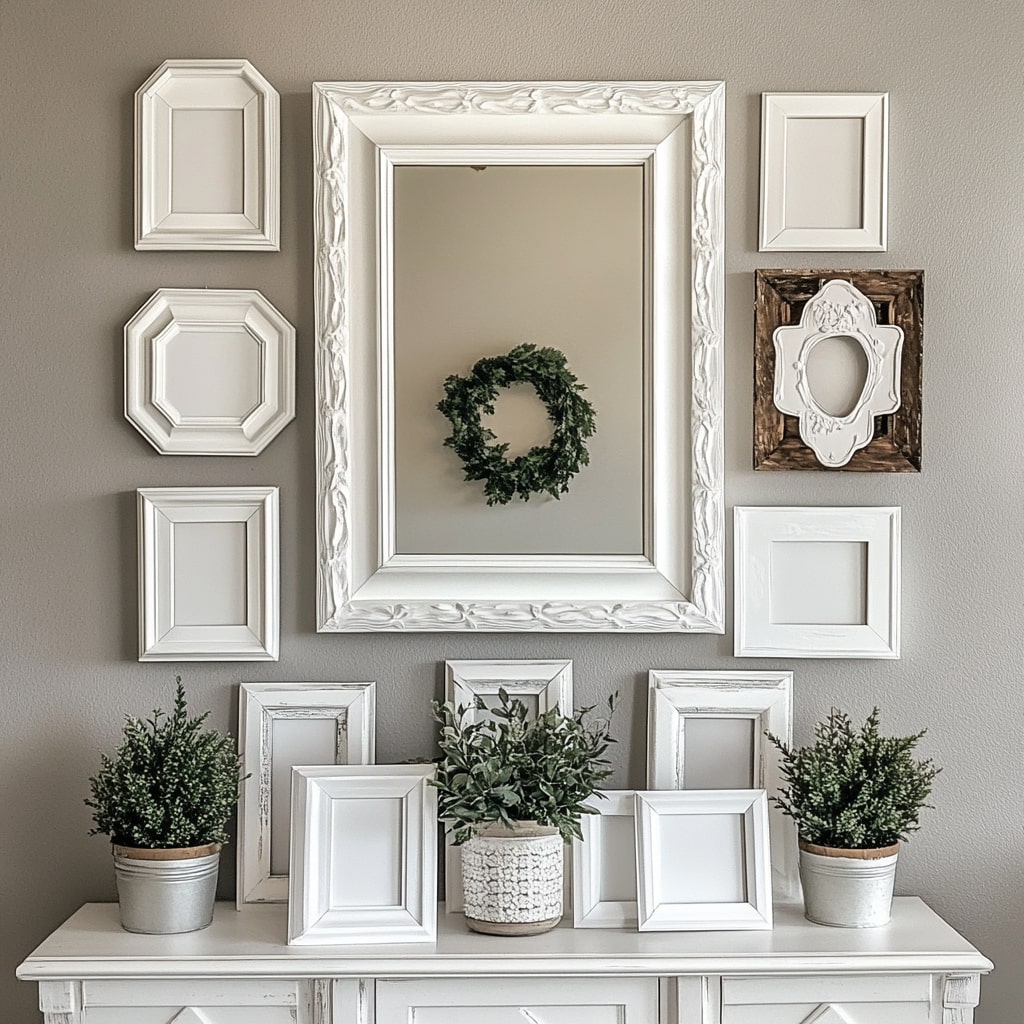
x=779 y=299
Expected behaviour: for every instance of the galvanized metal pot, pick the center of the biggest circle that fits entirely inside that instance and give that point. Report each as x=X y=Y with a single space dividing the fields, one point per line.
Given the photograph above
x=847 y=888
x=161 y=892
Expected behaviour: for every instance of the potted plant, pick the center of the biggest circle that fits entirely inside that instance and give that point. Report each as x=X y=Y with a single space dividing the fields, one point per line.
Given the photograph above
x=854 y=795
x=512 y=790
x=163 y=799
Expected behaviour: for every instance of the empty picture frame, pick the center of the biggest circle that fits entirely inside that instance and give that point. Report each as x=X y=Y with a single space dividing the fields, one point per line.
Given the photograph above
x=209 y=574
x=363 y=855
x=604 y=864
x=207 y=158
x=706 y=730
x=817 y=582
x=703 y=862
x=824 y=172
x=281 y=725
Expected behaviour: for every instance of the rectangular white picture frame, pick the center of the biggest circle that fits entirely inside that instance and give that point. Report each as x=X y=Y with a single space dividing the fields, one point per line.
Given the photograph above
x=209 y=574
x=363 y=855
x=347 y=710
x=824 y=172
x=606 y=858
x=817 y=582
x=730 y=862
x=678 y=699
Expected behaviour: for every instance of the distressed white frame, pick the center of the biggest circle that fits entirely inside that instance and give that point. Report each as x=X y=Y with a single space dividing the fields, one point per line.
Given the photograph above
x=777 y=233
x=207 y=85
x=161 y=638
x=654 y=863
x=588 y=854
x=758 y=636
x=676 y=697
x=675 y=130
x=171 y=313
x=312 y=919
x=351 y=706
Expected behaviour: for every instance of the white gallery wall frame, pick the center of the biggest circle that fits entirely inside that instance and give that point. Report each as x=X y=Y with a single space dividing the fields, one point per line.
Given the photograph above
x=817 y=582
x=281 y=725
x=209 y=371
x=706 y=730
x=703 y=862
x=604 y=864
x=363 y=855
x=674 y=132
x=209 y=574
x=207 y=158
x=824 y=172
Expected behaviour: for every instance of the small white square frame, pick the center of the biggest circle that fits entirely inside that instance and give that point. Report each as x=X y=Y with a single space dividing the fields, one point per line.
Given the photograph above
x=655 y=861
x=784 y=174
x=243 y=164
x=759 y=633
x=170 y=629
x=550 y=681
x=676 y=698
x=318 y=911
x=351 y=709
x=589 y=861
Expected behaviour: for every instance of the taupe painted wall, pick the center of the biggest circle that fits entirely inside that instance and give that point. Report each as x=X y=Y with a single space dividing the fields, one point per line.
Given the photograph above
x=70 y=463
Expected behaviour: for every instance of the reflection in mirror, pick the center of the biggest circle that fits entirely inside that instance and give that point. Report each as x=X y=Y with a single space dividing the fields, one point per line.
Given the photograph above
x=837 y=371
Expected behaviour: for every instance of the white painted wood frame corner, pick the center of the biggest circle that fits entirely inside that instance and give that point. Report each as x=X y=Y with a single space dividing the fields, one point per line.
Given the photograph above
x=677 y=697
x=207 y=158
x=605 y=855
x=209 y=574
x=708 y=869
x=346 y=709
x=363 y=855
x=824 y=172
x=675 y=131
x=209 y=371
x=817 y=582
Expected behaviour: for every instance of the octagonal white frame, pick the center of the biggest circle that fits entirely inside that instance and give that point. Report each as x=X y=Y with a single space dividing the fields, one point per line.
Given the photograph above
x=169 y=313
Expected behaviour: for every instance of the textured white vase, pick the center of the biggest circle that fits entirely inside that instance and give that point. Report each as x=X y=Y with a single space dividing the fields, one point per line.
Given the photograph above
x=512 y=879
x=847 y=888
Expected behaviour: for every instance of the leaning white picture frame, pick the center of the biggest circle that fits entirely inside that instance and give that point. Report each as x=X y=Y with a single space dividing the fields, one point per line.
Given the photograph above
x=722 y=882
x=281 y=725
x=817 y=582
x=675 y=132
x=824 y=172
x=209 y=574
x=604 y=863
x=207 y=158
x=363 y=855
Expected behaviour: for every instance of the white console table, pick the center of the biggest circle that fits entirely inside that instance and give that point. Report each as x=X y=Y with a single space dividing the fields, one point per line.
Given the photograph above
x=916 y=970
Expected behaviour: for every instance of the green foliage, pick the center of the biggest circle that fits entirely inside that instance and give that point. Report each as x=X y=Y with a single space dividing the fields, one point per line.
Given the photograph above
x=170 y=784
x=543 y=469
x=854 y=790
x=503 y=767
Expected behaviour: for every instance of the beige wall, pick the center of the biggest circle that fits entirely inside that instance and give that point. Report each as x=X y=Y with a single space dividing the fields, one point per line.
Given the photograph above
x=70 y=464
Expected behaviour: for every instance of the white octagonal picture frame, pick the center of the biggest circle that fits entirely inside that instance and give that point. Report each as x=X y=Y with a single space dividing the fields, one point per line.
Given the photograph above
x=209 y=371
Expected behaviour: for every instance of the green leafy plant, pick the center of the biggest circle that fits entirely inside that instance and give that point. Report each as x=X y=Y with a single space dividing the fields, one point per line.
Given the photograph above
x=503 y=767
x=854 y=789
x=170 y=784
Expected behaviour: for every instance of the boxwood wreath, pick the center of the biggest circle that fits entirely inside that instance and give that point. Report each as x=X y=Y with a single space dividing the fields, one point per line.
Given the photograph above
x=544 y=469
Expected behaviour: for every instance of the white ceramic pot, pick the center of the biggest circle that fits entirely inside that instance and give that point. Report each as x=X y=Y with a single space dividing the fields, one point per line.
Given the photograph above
x=512 y=879
x=847 y=888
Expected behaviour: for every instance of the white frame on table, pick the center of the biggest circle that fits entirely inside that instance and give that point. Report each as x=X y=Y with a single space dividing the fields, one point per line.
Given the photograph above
x=207 y=85
x=675 y=696
x=589 y=910
x=161 y=638
x=362 y=131
x=777 y=234
x=351 y=706
x=755 y=912
x=759 y=636
x=171 y=313
x=311 y=919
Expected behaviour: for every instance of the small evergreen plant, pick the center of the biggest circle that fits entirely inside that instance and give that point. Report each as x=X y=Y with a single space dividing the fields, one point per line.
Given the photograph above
x=170 y=784
x=854 y=789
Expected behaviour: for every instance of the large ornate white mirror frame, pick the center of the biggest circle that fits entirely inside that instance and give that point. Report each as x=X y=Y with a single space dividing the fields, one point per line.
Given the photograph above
x=675 y=131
